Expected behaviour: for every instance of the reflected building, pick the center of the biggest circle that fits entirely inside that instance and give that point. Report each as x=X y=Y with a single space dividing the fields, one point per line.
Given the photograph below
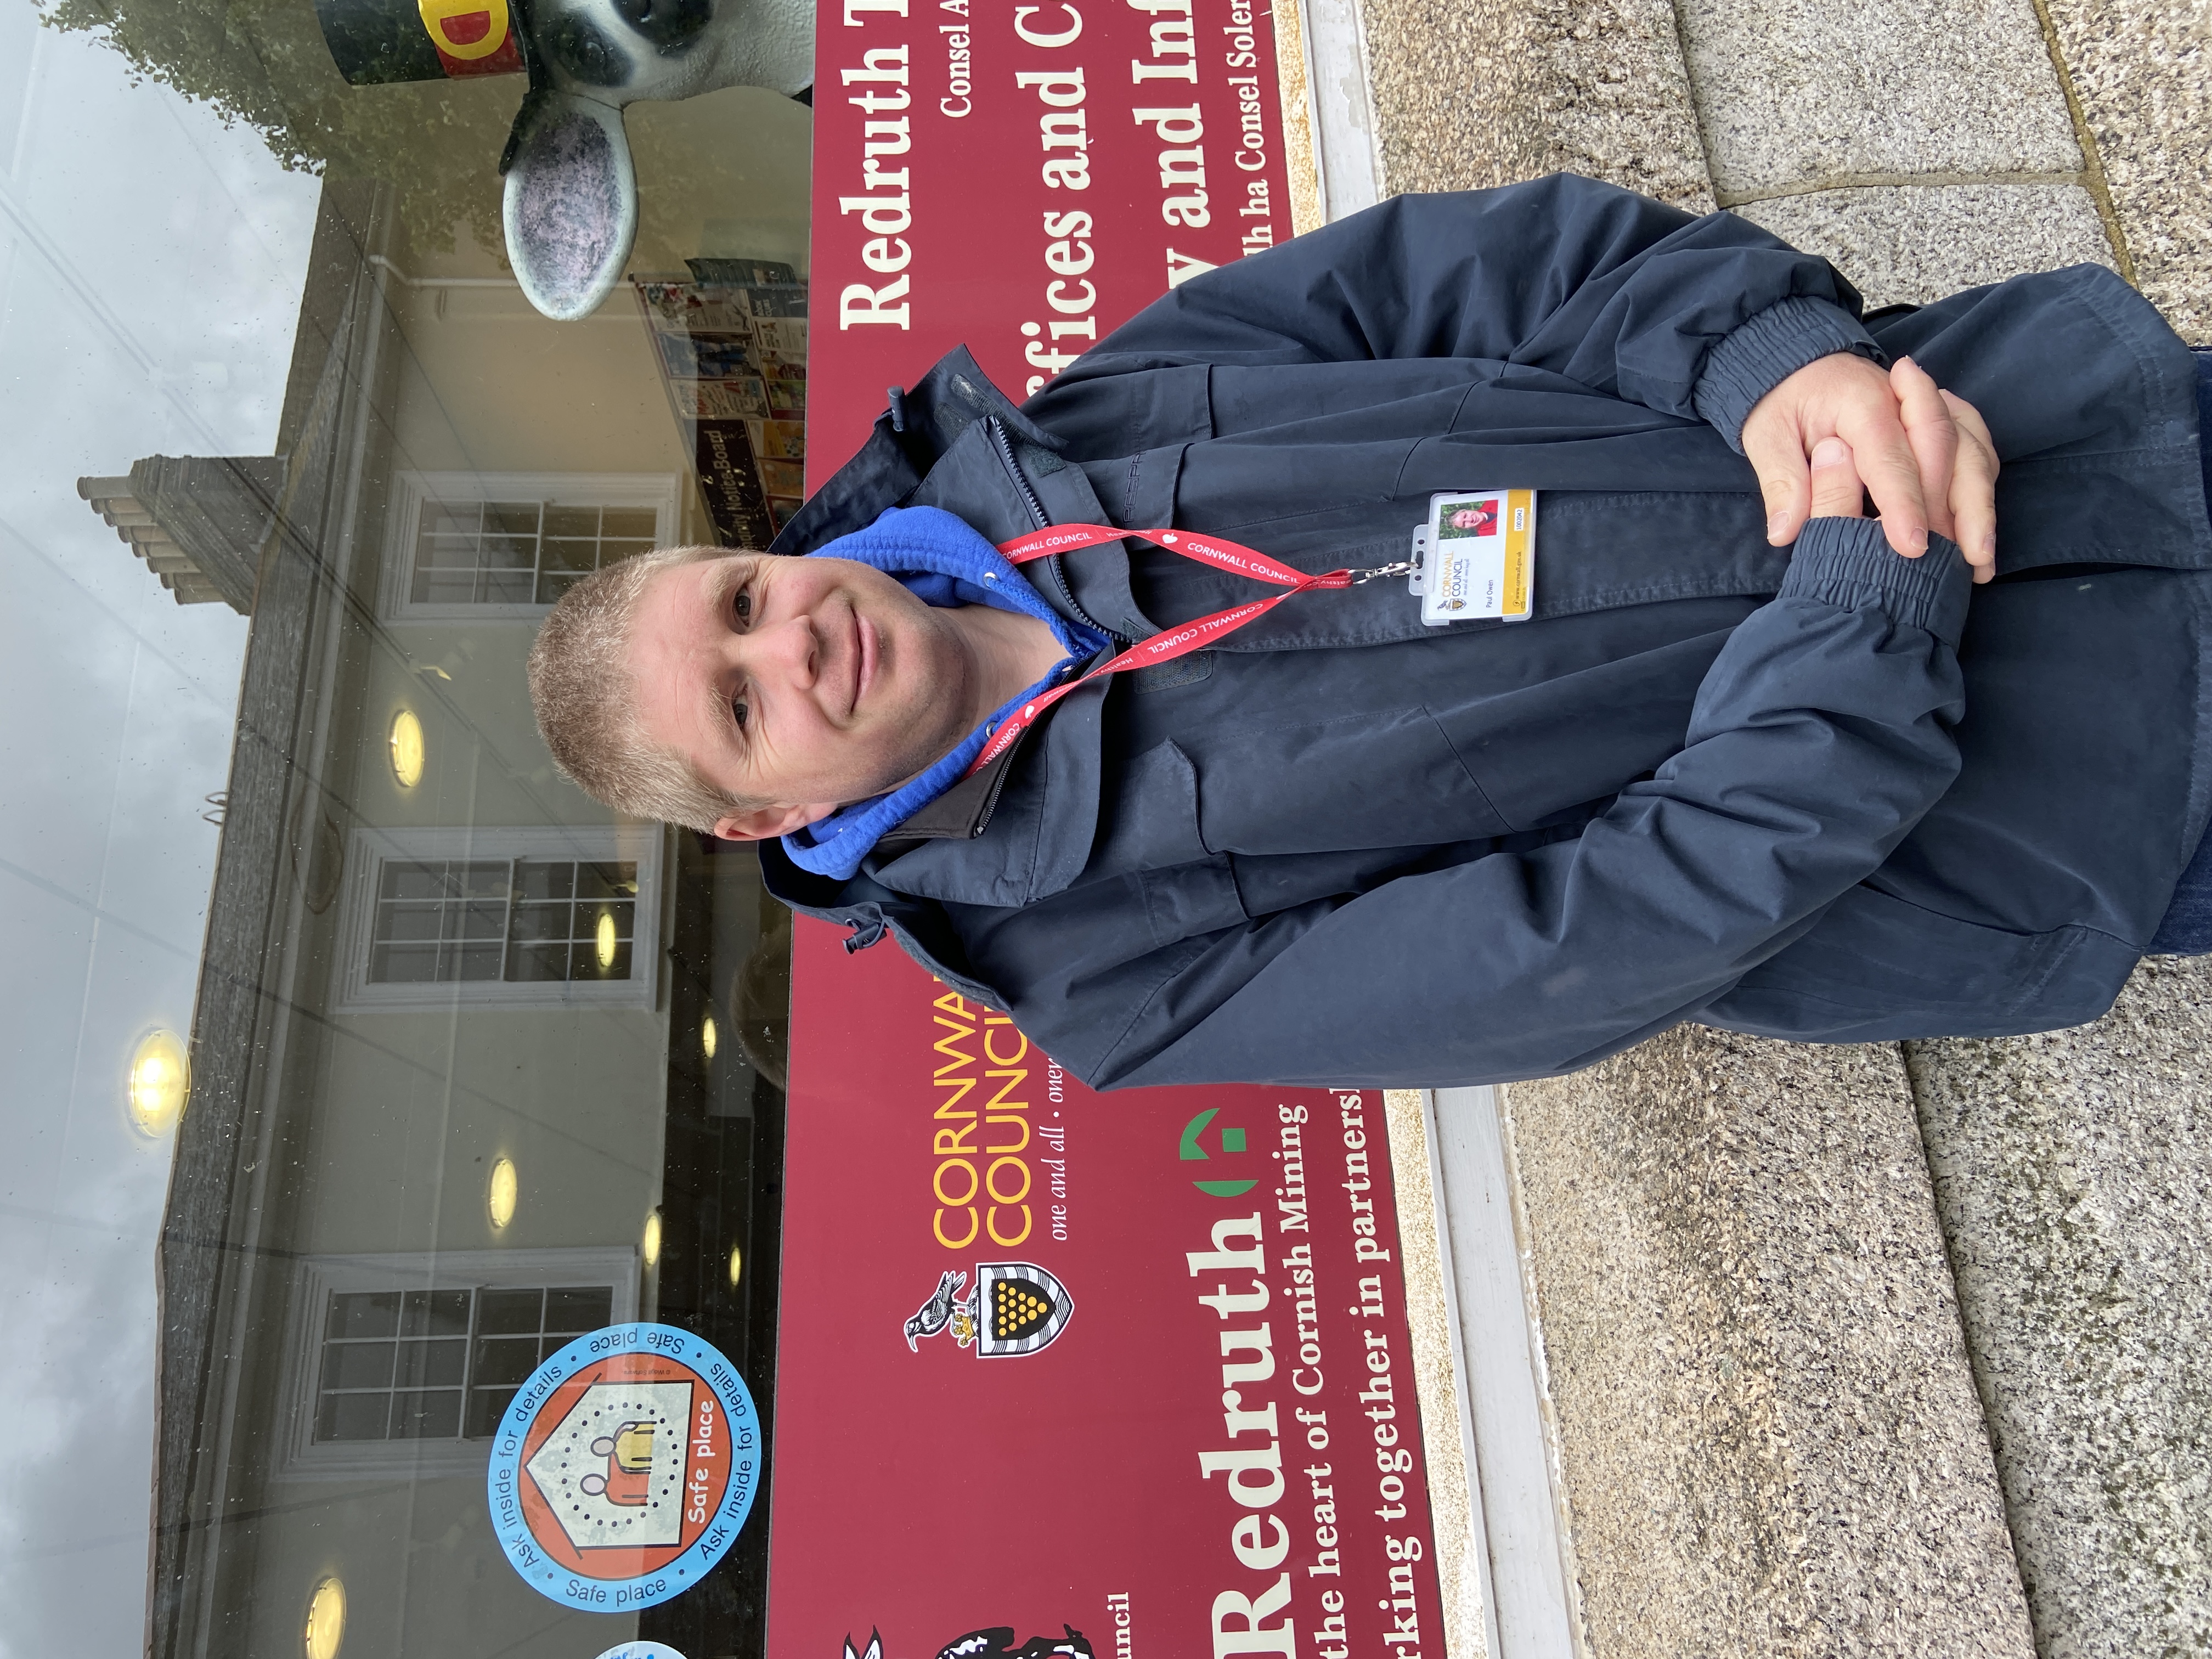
x=476 y=1065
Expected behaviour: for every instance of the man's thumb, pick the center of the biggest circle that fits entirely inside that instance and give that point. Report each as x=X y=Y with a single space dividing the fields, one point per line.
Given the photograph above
x=1784 y=484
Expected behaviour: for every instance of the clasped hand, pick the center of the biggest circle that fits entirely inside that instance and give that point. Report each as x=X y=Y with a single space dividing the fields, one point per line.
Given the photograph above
x=1841 y=429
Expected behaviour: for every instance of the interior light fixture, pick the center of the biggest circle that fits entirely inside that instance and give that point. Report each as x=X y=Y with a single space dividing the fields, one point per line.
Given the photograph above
x=407 y=750
x=602 y=940
x=709 y=1039
x=651 y=1243
x=500 y=1193
x=161 y=1078
x=326 y=1614
x=737 y=1261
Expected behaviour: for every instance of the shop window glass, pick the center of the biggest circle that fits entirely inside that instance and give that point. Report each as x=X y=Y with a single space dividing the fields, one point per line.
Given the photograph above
x=304 y=470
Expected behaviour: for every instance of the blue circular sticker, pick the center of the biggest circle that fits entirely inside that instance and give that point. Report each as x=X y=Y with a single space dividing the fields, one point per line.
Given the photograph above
x=624 y=1468
x=641 y=1650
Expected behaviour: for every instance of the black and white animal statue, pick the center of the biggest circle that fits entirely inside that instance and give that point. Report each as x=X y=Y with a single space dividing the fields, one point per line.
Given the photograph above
x=570 y=204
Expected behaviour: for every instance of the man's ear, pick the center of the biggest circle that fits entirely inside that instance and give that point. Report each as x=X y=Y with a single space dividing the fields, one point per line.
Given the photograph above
x=766 y=822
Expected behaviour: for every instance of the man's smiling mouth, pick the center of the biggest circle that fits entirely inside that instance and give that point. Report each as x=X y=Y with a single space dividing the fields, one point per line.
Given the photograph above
x=864 y=659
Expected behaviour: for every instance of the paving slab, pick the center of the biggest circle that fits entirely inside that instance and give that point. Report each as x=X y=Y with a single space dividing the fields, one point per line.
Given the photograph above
x=1769 y=1434
x=2142 y=73
x=1909 y=245
x=2074 y=1172
x=1473 y=92
x=1792 y=94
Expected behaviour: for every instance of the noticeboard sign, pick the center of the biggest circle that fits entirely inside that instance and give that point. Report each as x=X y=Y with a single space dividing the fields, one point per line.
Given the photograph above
x=1063 y=1376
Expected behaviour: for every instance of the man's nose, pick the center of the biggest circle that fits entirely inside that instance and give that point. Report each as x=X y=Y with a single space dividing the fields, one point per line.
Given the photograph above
x=787 y=653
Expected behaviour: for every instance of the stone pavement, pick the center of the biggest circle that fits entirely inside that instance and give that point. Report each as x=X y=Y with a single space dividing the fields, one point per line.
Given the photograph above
x=1887 y=1349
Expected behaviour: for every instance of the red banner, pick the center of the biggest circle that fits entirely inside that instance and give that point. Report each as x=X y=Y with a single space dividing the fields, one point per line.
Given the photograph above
x=1113 y=1376
x=1063 y=1376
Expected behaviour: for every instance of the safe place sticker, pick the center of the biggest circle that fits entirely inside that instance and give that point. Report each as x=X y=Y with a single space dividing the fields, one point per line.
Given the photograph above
x=624 y=1468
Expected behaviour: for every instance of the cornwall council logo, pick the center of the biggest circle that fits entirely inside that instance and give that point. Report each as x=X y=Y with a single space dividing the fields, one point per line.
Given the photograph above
x=1016 y=1309
x=624 y=1468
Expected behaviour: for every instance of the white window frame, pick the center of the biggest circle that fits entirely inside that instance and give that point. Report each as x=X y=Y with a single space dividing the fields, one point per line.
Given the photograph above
x=369 y=849
x=314 y=1279
x=661 y=492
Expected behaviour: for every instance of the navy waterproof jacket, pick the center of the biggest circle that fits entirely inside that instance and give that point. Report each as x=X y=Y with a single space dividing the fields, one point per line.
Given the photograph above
x=1821 y=793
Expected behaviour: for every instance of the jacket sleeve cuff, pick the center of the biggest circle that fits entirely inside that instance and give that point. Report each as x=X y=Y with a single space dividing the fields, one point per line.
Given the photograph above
x=1767 y=350
x=1848 y=562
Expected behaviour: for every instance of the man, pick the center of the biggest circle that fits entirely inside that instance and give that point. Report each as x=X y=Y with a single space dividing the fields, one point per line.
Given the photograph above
x=1754 y=761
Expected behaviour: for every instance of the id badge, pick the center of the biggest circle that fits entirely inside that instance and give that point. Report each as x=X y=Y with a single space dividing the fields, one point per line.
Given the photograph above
x=1480 y=560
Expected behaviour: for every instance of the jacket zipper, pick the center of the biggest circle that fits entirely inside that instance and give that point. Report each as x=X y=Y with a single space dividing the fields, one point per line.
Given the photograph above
x=1005 y=447
x=1041 y=519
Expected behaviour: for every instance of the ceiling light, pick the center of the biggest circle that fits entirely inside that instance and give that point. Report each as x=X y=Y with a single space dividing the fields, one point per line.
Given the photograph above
x=653 y=1238
x=737 y=1261
x=499 y=1196
x=604 y=940
x=161 y=1078
x=326 y=1612
x=709 y=1039
x=407 y=749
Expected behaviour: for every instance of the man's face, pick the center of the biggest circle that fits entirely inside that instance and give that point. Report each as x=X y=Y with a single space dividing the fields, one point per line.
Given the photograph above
x=809 y=682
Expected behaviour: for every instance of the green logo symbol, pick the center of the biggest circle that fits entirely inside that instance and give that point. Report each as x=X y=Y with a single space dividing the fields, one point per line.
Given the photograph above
x=1231 y=1139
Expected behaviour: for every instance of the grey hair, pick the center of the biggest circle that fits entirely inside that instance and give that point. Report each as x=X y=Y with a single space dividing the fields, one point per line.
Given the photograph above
x=585 y=694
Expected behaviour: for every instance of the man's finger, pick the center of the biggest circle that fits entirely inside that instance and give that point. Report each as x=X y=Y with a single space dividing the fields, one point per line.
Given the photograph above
x=1974 y=488
x=1779 y=459
x=1933 y=437
x=1837 y=491
x=1884 y=458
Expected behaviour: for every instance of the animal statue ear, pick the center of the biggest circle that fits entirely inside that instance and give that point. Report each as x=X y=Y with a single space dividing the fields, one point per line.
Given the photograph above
x=570 y=207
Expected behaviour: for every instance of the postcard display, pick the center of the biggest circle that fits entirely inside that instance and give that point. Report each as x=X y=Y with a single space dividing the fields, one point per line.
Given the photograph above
x=1063 y=1374
x=730 y=338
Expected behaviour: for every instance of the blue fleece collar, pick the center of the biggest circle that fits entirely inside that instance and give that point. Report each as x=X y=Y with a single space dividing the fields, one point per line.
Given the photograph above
x=943 y=561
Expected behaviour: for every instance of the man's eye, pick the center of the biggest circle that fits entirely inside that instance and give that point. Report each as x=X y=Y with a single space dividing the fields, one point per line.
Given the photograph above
x=739 y=713
x=744 y=605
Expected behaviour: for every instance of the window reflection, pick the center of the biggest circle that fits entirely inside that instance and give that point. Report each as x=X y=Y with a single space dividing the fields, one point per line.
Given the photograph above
x=427 y=959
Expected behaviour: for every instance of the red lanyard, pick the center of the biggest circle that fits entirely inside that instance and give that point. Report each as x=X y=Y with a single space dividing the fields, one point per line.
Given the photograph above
x=1166 y=646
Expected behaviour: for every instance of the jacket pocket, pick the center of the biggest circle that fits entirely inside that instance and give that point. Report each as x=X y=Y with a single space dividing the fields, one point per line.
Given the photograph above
x=1385 y=778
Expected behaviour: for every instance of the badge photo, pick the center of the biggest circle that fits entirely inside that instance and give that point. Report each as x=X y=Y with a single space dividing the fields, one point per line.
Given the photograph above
x=625 y=1467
